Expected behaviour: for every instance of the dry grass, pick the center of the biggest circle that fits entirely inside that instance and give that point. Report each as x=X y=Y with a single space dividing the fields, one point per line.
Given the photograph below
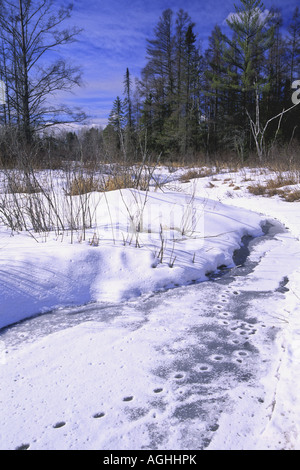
x=115 y=182
x=262 y=190
x=87 y=184
x=191 y=174
x=277 y=187
x=257 y=189
x=282 y=180
x=292 y=196
x=82 y=185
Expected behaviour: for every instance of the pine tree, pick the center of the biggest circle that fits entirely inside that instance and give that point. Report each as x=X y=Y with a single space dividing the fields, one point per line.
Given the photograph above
x=277 y=71
x=192 y=89
x=116 y=125
x=183 y=21
x=253 y=36
x=293 y=43
x=158 y=76
x=216 y=89
x=170 y=83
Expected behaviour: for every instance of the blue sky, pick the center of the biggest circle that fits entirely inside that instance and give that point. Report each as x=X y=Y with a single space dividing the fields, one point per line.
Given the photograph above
x=114 y=37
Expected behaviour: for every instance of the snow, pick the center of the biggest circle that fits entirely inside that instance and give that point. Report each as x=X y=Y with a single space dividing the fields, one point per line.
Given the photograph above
x=63 y=274
x=120 y=378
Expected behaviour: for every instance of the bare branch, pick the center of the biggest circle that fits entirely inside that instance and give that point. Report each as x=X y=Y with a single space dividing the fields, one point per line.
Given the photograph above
x=29 y=30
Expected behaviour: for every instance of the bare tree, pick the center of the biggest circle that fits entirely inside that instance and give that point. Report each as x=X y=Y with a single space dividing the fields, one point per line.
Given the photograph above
x=258 y=130
x=31 y=31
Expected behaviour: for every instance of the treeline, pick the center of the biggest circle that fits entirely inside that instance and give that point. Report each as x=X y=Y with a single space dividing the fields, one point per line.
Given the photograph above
x=232 y=99
x=234 y=95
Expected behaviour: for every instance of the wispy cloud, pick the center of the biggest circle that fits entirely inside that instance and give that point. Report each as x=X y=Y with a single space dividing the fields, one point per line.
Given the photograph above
x=237 y=17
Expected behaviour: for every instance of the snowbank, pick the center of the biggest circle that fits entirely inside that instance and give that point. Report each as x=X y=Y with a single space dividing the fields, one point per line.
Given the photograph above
x=156 y=241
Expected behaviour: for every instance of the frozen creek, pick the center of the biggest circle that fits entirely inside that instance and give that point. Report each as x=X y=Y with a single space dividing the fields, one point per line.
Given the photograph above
x=157 y=372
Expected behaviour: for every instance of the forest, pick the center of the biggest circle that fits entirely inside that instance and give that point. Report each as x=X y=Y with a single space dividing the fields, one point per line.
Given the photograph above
x=236 y=95
x=236 y=100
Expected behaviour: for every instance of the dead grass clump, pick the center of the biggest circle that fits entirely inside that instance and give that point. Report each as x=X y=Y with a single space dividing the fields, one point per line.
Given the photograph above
x=282 y=180
x=82 y=185
x=264 y=190
x=289 y=195
x=257 y=189
x=274 y=192
x=115 y=182
x=292 y=196
x=191 y=174
x=278 y=186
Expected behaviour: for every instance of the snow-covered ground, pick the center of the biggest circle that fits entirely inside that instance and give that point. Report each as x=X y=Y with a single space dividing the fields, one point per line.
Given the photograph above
x=156 y=359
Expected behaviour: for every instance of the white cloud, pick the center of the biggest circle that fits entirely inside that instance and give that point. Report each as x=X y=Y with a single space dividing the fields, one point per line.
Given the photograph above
x=236 y=16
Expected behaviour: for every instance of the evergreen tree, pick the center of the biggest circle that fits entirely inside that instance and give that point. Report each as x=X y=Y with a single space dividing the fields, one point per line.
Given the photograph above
x=183 y=22
x=158 y=76
x=216 y=76
x=116 y=125
x=192 y=92
x=117 y=115
x=277 y=71
x=184 y=102
x=170 y=83
x=253 y=36
x=293 y=43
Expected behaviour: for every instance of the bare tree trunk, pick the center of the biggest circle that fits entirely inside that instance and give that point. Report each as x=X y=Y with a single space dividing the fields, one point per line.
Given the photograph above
x=15 y=81
x=29 y=31
x=258 y=132
x=25 y=90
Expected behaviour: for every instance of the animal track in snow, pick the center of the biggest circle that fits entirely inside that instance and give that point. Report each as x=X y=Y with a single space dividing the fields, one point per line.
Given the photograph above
x=99 y=415
x=129 y=398
x=224 y=314
x=224 y=322
x=203 y=368
x=217 y=357
x=239 y=355
x=59 y=424
x=23 y=447
x=179 y=376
